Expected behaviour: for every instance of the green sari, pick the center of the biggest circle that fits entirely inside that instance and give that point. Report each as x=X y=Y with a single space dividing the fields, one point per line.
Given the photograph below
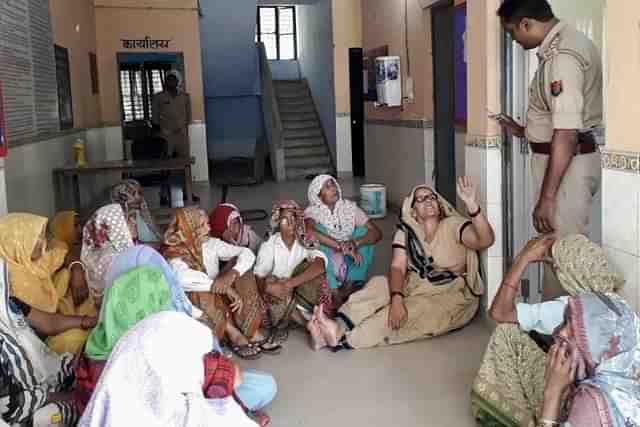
x=133 y=296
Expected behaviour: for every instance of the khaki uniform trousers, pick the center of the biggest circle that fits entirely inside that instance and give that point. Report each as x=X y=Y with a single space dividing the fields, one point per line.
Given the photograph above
x=574 y=201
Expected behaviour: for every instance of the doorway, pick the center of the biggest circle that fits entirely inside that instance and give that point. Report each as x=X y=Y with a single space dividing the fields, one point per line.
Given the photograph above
x=443 y=30
x=141 y=76
x=519 y=67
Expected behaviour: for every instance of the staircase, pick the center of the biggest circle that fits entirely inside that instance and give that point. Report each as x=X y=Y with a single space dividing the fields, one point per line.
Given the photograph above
x=305 y=146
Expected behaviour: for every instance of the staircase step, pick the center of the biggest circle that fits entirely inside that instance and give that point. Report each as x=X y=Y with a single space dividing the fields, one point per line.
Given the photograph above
x=303 y=142
x=307 y=162
x=302 y=173
x=300 y=124
x=290 y=85
x=293 y=94
x=298 y=116
x=295 y=102
x=305 y=151
x=302 y=133
x=286 y=108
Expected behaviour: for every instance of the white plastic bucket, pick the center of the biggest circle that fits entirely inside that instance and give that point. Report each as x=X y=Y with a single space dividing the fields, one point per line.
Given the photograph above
x=177 y=200
x=373 y=200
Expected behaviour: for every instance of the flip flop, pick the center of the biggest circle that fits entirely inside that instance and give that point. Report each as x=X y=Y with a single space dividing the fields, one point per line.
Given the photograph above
x=247 y=352
x=271 y=348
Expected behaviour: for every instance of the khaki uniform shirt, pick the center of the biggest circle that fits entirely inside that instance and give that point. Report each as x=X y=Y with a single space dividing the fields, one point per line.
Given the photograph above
x=171 y=113
x=566 y=92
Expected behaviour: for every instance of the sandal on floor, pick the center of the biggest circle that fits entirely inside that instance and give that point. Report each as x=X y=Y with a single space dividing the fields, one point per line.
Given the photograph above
x=279 y=336
x=247 y=352
x=270 y=348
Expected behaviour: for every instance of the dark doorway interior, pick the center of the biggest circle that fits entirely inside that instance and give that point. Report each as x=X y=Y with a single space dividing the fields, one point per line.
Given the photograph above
x=356 y=84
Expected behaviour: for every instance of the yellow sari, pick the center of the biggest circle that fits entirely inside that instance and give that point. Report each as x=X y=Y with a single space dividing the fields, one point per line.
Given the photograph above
x=72 y=341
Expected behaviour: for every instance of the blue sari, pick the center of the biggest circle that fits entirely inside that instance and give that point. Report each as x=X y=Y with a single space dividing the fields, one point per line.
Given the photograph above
x=342 y=269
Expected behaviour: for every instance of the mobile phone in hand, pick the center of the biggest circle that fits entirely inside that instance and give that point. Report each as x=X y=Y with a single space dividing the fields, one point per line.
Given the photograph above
x=497 y=116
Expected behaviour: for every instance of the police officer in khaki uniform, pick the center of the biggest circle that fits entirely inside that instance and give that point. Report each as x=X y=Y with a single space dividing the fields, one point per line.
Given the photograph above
x=563 y=120
x=172 y=115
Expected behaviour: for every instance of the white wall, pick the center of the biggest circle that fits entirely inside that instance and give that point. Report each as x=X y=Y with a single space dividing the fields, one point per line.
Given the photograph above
x=316 y=58
x=344 y=162
x=398 y=157
x=285 y=70
x=29 y=171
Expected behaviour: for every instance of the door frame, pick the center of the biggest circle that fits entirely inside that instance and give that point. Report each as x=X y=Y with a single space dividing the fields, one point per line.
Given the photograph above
x=444 y=154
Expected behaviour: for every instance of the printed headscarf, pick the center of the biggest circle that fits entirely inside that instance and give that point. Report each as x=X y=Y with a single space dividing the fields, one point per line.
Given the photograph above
x=63 y=227
x=141 y=256
x=221 y=217
x=104 y=236
x=129 y=195
x=341 y=222
x=31 y=281
x=302 y=228
x=188 y=231
x=157 y=368
x=134 y=296
x=582 y=266
x=606 y=335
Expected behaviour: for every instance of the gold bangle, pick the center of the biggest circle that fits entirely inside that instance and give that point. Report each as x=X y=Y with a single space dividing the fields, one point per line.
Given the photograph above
x=548 y=423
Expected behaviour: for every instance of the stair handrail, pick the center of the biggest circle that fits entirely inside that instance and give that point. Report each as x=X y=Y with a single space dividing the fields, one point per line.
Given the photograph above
x=272 y=121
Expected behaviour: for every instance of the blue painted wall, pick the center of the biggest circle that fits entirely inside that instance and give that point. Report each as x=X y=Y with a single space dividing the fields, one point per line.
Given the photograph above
x=231 y=77
x=315 y=47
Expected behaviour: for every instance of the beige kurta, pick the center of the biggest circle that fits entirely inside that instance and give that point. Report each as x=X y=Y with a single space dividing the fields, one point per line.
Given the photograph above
x=432 y=310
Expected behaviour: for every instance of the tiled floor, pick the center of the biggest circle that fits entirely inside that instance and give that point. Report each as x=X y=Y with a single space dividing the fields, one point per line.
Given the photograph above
x=425 y=383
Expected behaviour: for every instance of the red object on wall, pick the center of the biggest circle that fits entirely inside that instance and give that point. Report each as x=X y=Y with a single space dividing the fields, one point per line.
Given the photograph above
x=4 y=144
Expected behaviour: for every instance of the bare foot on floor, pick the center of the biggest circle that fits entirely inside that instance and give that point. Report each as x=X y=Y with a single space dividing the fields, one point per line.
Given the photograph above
x=328 y=327
x=317 y=340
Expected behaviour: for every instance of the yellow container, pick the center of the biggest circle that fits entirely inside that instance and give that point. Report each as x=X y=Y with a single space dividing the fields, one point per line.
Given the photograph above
x=80 y=154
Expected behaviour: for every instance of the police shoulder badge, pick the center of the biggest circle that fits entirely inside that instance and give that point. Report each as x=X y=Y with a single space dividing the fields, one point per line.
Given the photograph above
x=556 y=88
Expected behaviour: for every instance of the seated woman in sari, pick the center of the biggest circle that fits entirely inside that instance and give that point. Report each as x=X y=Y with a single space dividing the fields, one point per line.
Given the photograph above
x=509 y=388
x=229 y=300
x=290 y=273
x=130 y=196
x=434 y=284
x=105 y=235
x=158 y=375
x=258 y=388
x=35 y=383
x=591 y=377
x=346 y=236
x=131 y=297
x=39 y=276
x=71 y=284
x=226 y=224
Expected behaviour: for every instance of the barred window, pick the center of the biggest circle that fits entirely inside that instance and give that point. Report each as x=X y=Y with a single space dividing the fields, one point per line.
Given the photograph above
x=276 y=28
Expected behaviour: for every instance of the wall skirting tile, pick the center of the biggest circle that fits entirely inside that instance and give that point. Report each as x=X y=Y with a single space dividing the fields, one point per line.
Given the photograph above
x=411 y=124
x=623 y=161
x=485 y=142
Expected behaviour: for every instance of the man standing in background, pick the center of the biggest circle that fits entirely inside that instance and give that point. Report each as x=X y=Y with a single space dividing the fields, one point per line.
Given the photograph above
x=171 y=115
x=564 y=115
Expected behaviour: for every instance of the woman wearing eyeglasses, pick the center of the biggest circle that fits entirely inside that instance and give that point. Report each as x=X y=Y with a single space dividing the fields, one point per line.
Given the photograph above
x=434 y=284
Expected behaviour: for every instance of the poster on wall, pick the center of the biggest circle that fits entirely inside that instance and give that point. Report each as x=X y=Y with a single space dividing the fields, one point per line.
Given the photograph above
x=460 y=66
x=3 y=128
